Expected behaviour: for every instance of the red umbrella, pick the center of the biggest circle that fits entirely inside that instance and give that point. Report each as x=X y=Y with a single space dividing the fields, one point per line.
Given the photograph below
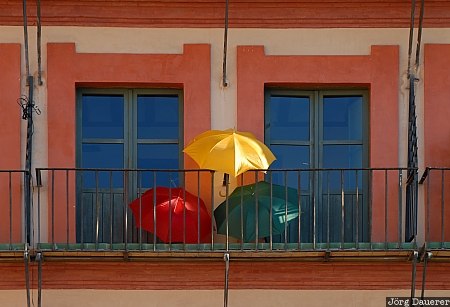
x=177 y=207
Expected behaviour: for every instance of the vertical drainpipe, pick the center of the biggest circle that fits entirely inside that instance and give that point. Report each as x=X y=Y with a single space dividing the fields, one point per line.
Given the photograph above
x=28 y=158
x=27 y=114
x=38 y=36
x=412 y=186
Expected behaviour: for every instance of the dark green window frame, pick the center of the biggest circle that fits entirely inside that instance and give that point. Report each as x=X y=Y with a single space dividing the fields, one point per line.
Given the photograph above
x=130 y=139
x=313 y=187
x=111 y=193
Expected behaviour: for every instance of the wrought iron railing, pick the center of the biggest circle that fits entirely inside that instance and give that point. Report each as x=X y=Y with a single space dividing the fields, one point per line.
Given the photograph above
x=437 y=207
x=293 y=209
x=11 y=209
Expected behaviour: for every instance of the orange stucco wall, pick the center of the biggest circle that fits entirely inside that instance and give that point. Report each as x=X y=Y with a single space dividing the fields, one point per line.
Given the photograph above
x=437 y=136
x=437 y=101
x=10 y=154
x=188 y=275
x=251 y=14
x=378 y=72
x=68 y=69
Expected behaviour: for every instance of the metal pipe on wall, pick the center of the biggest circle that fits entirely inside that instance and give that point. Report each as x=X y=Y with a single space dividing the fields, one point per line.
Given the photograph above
x=28 y=115
x=225 y=47
x=39 y=38
x=25 y=35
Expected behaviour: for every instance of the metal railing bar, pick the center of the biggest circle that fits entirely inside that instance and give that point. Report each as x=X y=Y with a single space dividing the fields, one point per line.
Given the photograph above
x=328 y=210
x=154 y=212
x=53 y=207
x=256 y=210
x=67 y=208
x=139 y=179
x=386 y=206
x=342 y=210
x=333 y=169
x=39 y=213
x=171 y=204
x=285 y=210
x=10 y=209
x=357 y=211
x=91 y=212
x=299 y=195
x=81 y=213
x=198 y=208
x=13 y=171
x=427 y=231
x=424 y=175
x=442 y=208
x=125 y=207
x=370 y=182
x=97 y=210
x=106 y=169
x=270 y=214
x=111 y=210
x=314 y=203
x=241 y=216
x=184 y=217
x=212 y=211
x=430 y=168
x=400 y=204
x=227 y=230
x=103 y=208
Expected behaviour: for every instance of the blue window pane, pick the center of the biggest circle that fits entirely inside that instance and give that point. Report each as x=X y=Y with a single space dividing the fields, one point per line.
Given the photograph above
x=290 y=157
x=289 y=118
x=342 y=156
x=342 y=118
x=103 y=116
x=158 y=117
x=102 y=156
x=159 y=156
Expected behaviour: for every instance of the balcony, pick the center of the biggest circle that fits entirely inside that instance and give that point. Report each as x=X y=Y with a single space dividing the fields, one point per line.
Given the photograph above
x=436 y=183
x=319 y=211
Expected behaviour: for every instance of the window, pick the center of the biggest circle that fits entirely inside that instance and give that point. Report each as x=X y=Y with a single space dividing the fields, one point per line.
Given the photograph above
x=322 y=130
x=123 y=129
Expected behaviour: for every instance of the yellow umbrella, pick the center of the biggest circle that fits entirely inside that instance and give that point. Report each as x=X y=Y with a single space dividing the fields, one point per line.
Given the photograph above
x=229 y=151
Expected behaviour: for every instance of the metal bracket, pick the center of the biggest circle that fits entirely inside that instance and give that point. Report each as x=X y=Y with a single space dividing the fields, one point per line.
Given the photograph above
x=327 y=256
x=415 y=258
x=226 y=258
x=418 y=256
x=39 y=259
x=26 y=257
x=425 y=257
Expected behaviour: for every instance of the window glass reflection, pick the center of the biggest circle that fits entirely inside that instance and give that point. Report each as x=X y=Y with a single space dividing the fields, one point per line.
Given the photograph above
x=158 y=117
x=103 y=116
x=289 y=118
x=102 y=156
x=342 y=118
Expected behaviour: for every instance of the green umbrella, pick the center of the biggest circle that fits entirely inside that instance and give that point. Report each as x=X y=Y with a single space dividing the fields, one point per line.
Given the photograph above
x=244 y=199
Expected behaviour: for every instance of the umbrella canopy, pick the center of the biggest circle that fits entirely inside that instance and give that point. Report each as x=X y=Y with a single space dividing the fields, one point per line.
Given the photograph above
x=178 y=212
x=229 y=151
x=244 y=199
